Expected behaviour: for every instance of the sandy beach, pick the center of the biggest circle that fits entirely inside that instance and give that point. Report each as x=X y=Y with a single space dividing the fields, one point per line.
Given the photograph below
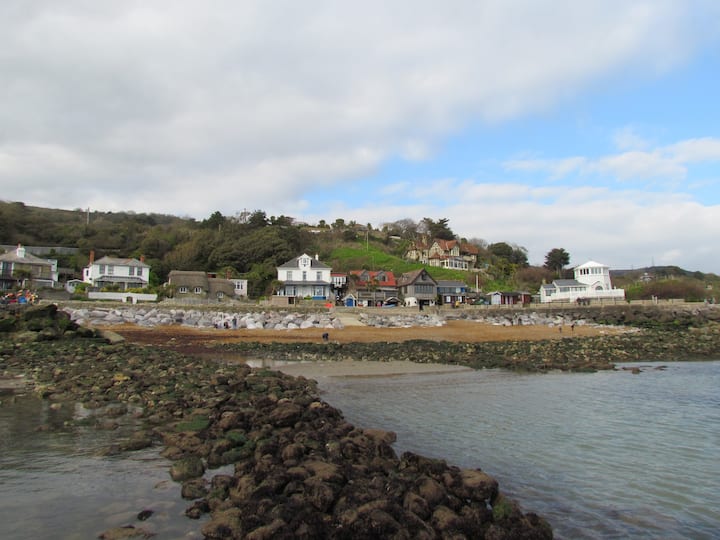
x=465 y=331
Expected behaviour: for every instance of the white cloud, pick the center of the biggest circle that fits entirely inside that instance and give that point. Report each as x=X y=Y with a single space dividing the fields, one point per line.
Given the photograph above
x=639 y=166
x=187 y=107
x=624 y=229
x=664 y=163
x=627 y=138
x=166 y=94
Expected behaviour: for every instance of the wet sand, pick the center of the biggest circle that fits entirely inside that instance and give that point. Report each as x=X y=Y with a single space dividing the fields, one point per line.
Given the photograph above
x=358 y=368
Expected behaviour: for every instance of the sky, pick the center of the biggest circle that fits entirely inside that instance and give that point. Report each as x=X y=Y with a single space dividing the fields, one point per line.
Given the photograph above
x=591 y=126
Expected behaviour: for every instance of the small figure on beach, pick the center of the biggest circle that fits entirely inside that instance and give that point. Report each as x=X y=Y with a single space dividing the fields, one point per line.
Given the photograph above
x=325 y=336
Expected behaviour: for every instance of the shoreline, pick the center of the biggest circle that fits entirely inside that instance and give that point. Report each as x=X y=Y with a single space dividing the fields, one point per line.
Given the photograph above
x=360 y=368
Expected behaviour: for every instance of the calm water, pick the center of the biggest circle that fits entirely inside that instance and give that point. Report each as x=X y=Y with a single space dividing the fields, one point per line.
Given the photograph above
x=53 y=485
x=604 y=455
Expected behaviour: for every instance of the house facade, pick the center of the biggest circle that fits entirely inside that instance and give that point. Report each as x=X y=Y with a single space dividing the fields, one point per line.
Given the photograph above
x=418 y=285
x=452 y=292
x=371 y=287
x=591 y=282
x=509 y=298
x=197 y=285
x=444 y=253
x=18 y=268
x=305 y=277
x=116 y=272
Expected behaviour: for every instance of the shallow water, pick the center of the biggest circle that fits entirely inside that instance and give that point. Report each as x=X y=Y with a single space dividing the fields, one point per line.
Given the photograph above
x=53 y=484
x=602 y=455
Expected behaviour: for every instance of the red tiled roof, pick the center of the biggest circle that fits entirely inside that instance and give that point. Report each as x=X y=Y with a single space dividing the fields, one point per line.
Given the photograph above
x=389 y=280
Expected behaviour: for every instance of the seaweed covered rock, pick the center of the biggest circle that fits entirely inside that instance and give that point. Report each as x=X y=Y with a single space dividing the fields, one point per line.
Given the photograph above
x=299 y=469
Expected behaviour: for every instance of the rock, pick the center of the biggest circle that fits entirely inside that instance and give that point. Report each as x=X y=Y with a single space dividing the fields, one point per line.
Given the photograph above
x=118 y=533
x=113 y=338
x=445 y=520
x=285 y=414
x=431 y=490
x=477 y=485
x=195 y=488
x=187 y=468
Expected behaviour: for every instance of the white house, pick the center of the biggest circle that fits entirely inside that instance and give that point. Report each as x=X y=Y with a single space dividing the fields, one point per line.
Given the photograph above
x=111 y=271
x=592 y=282
x=304 y=277
x=241 y=286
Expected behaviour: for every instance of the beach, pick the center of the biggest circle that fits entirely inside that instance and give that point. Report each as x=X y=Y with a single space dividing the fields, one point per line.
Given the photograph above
x=467 y=331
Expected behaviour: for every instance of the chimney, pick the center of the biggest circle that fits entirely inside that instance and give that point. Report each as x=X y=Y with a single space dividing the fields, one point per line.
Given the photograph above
x=20 y=251
x=227 y=274
x=317 y=257
x=142 y=258
x=92 y=256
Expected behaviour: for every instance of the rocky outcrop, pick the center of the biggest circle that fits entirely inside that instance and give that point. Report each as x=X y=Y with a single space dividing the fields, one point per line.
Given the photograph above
x=299 y=470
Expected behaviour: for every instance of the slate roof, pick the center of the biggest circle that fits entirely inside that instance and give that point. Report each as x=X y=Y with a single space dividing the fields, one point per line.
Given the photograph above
x=115 y=261
x=29 y=258
x=409 y=278
x=568 y=283
x=294 y=264
x=451 y=283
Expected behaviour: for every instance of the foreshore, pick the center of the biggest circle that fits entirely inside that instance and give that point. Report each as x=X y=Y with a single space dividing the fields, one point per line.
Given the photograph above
x=300 y=470
x=360 y=368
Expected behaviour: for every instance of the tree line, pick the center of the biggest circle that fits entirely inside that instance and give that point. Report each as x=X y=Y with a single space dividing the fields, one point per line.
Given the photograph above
x=249 y=244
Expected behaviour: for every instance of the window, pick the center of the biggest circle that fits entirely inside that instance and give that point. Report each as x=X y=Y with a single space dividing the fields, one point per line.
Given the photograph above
x=288 y=275
x=139 y=272
x=220 y=294
x=131 y=271
x=111 y=270
x=182 y=290
x=198 y=290
x=319 y=291
x=304 y=275
x=101 y=269
x=318 y=276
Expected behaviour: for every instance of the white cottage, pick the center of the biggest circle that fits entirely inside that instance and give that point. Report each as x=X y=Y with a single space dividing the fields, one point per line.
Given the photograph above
x=305 y=277
x=592 y=282
x=111 y=271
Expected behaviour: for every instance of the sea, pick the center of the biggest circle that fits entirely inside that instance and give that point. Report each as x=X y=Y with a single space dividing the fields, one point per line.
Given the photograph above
x=613 y=454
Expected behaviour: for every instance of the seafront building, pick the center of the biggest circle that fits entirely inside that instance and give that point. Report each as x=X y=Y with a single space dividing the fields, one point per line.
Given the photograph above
x=592 y=282
x=305 y=277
